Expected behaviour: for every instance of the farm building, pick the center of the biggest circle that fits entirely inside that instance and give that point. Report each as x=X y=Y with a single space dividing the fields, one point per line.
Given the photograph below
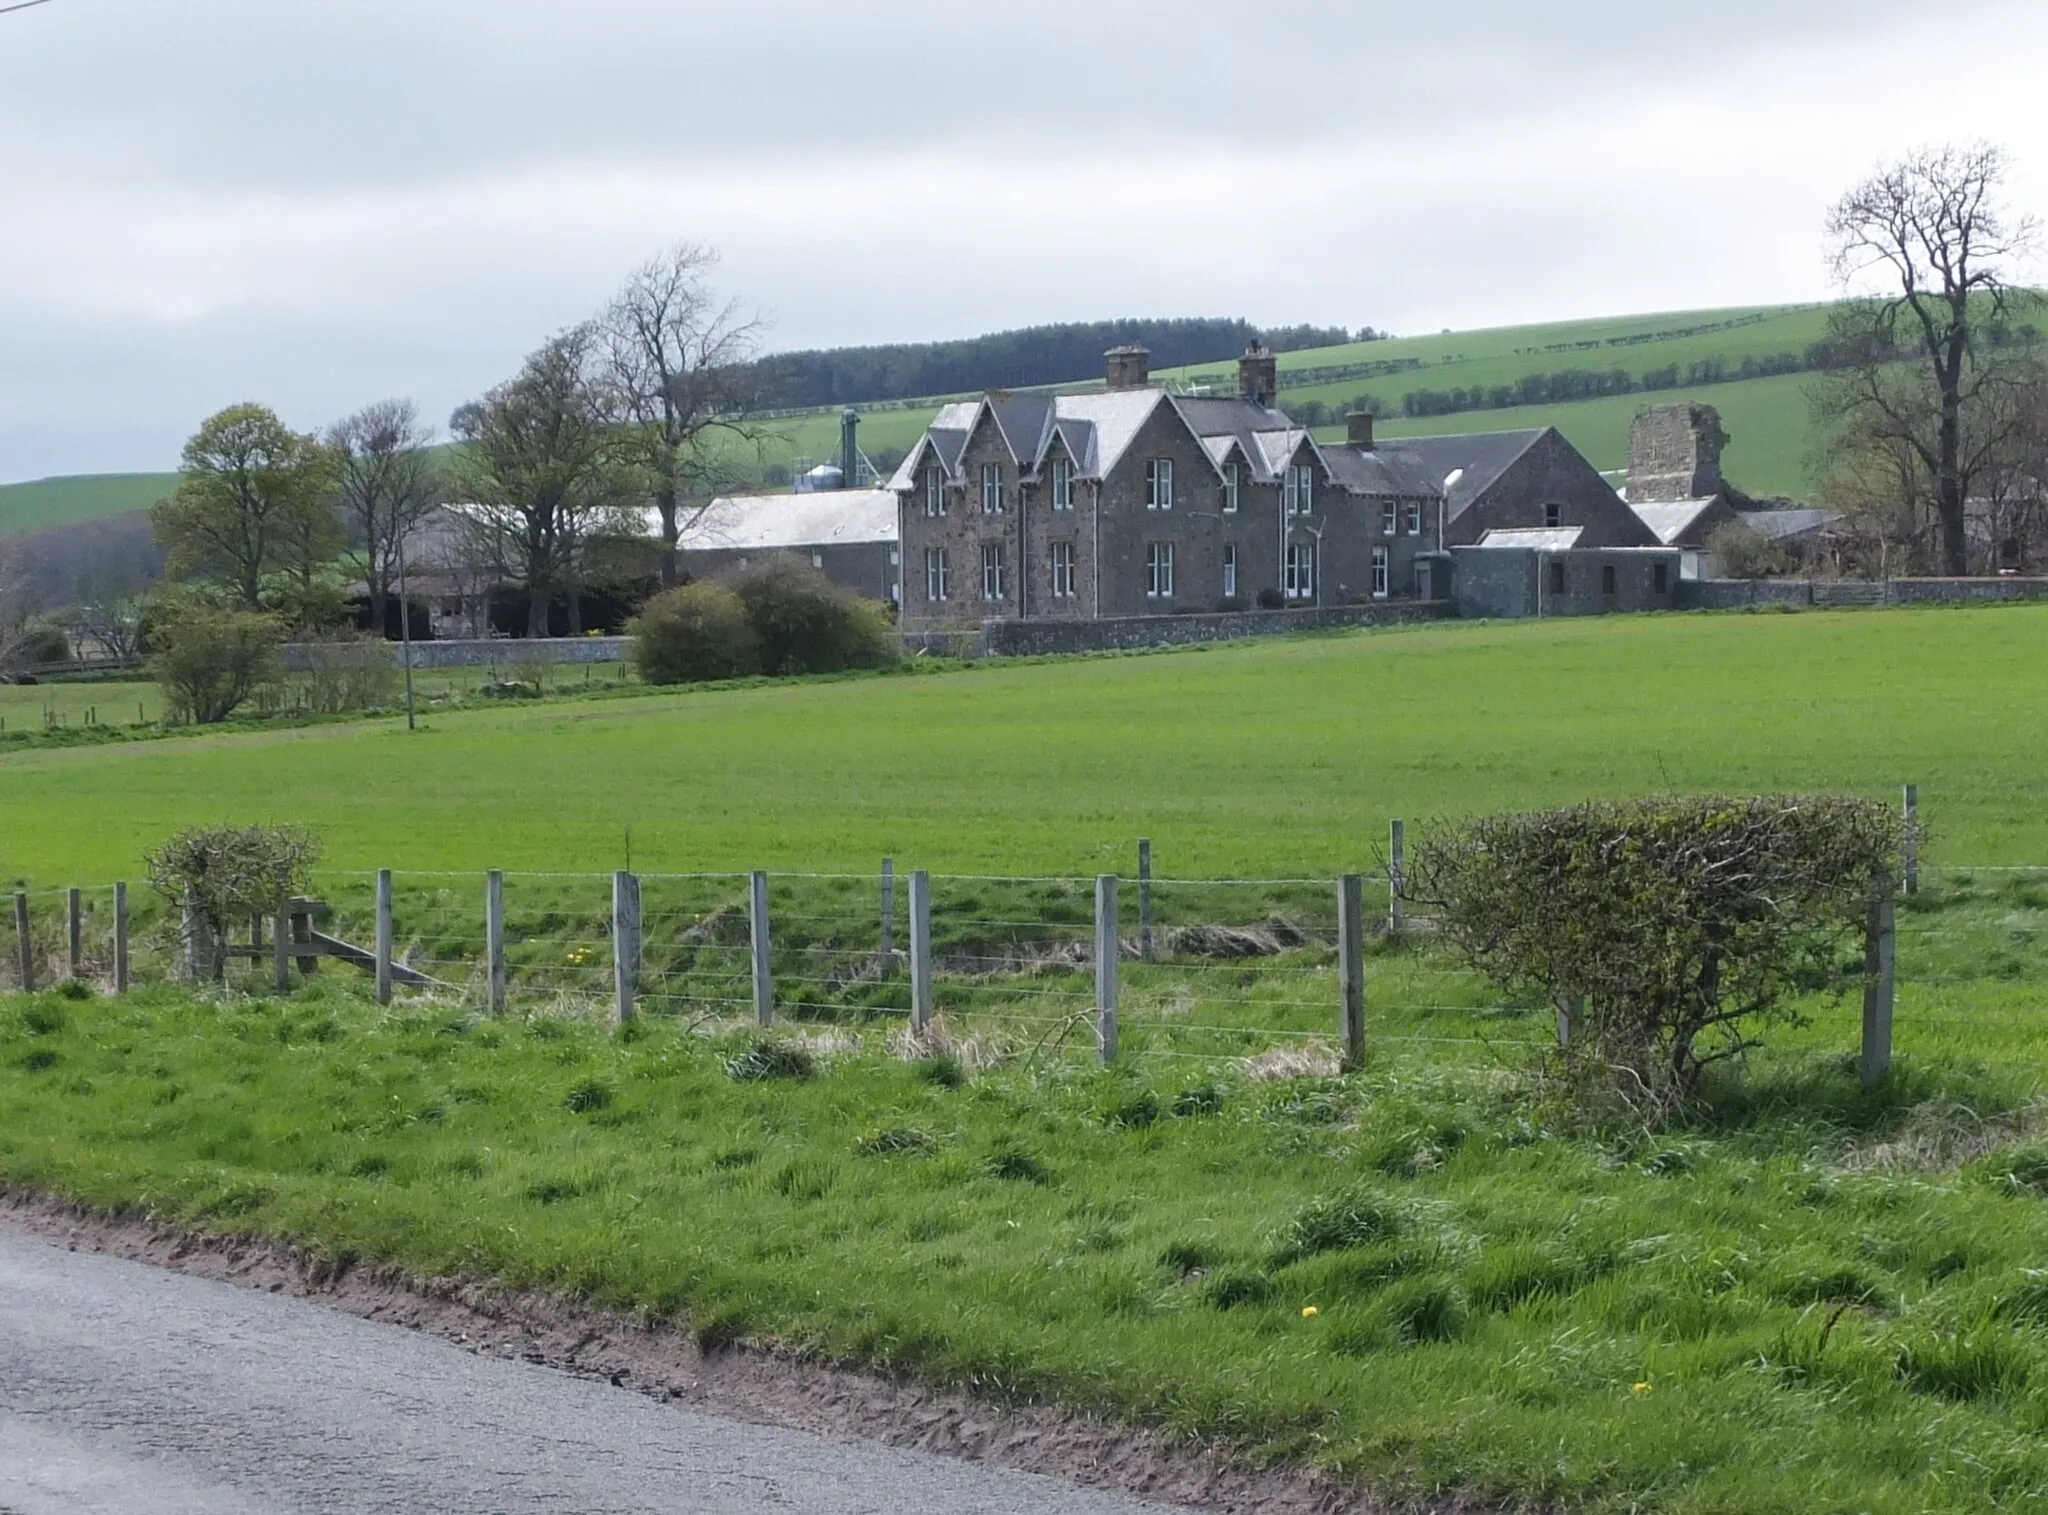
x=1675 y=484
x=850 y=534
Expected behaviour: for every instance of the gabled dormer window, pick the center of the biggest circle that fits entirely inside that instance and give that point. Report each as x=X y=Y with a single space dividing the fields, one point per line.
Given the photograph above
x=1299 y=488
x=992 y=488
x=1230 y=488
x=935 y=491
x=1062 y=483
x=1159 y=484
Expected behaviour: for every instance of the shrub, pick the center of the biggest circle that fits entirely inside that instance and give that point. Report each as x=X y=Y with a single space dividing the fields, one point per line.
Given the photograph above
x=1742 y=553
x=1678 y=925
x=694 y=634
x=1270 y=598
x=1350 y=1218
x=350 y=672
x=807 y=624
x=209 y=661
x=226 y=874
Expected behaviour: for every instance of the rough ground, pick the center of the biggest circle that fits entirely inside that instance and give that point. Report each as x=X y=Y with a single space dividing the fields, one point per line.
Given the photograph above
x=756 y=1388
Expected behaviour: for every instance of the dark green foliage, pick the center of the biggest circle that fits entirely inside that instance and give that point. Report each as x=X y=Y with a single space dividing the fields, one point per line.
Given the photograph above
x=2022 y=1169
x=1132 y=1112
x=2027 y=1302
x=1351 y=1217
x=227 y=874
x=1017 y=1166
x=694 y=634
x=1505 y=1277
x=1677 y=924
x=211 y=661
x=591 y=1095
x=1425 y=1309
x=1200 y=1099
x=771 y=1058
x=1979 y=1362
x=895 y=1141
x=41 y=1018
x=39 y=1059
x=1240 y=1286
x=1185 y=1258
x=75 y=989
x=1831 y=1284
x=554 y=1191
x=804 y=623
x=945 y=1071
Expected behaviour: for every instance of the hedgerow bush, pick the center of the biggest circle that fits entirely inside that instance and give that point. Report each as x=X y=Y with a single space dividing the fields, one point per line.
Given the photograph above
x=694 y=634
x=807 y=624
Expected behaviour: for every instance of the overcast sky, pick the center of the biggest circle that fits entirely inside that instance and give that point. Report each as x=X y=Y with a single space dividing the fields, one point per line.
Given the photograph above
x=317 y=203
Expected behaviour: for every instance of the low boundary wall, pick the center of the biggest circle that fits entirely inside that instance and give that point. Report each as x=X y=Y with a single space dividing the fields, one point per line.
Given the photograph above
x=498 y=652
x=1038 y=638
x=1836 y=594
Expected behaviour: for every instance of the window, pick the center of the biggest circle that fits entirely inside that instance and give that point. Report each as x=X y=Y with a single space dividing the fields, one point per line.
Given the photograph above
x=1159 y=484
x=1553 y=516
x=1380 y=557
x=1660 y=578
x=1159 y=570
x=1557 y=576
x=1301 y=571
x=936 y=584
x=1390 y=518
x=934 y=491
x=1229 y=570
x=992 y=488
x=1062 y=483
x=1230 y=490
x=992 y=571
x=1063 y=570
x=1607 y=583
x=817 y=560
x=1298 y=489
x=1415 y=518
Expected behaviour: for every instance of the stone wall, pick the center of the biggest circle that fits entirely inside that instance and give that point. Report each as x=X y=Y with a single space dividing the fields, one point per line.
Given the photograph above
x=1836 y=594
x=499 y=652
x=1674 y=453
x=1505 y=583
x=1039 y=638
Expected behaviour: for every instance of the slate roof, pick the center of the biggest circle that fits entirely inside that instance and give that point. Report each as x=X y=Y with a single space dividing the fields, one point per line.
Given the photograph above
x=1777 y=525
x=1388 y=470
x=776 y=522
x=1535 y=538
x=1478 y=460
x=1672 y=519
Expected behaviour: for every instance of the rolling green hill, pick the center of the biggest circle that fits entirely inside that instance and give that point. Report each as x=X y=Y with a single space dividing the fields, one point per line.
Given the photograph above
x=1766 y=416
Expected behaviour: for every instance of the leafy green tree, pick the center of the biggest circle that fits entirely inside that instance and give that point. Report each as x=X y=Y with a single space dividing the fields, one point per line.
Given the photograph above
x=808 y=624
x=694 y=634
x=218 y=876
x=211 y=660
x=256 y=499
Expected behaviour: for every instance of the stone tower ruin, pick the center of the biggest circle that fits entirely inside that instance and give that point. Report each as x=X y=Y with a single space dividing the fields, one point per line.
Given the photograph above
x=1674 y=453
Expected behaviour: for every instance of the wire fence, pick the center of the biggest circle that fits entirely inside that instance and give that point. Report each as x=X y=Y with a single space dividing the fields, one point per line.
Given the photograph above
x=1203 y=969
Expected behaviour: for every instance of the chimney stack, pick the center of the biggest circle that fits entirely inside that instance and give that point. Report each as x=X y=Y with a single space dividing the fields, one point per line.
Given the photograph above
x=1258 y=375
x=1360 y=422
x=1129 y=367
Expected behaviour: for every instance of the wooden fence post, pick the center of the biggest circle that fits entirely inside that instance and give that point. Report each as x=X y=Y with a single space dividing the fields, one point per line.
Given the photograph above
x=1145 y=899
x=25 y=943
x=1879 y=962
x=384 y=934
x=1569 y=1010
x=194 y=935
x=1397 y=878
x=1108 y=946
x=887 y=963
x=1351 y=966
x=74 y=931
x=764 y=971
x=494 y=942
x=921 y=1004
x=625 y=944
x=302 y=937
x=1912 y=839
x=120 y=938
x=281 y=942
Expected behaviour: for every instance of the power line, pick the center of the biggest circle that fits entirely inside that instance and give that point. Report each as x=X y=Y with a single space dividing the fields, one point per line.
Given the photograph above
x=22 y=5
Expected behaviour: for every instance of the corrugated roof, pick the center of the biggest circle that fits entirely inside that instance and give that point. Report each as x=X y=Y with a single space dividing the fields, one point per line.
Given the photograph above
x=778 y=522
x=1535 y=538
x=1777 y=525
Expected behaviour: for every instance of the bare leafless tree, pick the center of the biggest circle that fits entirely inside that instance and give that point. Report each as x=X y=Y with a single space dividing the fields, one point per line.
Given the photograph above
x=542 y=467
x=17 y=611
x=388 y=478
x=678 y=359
x=1925 y=247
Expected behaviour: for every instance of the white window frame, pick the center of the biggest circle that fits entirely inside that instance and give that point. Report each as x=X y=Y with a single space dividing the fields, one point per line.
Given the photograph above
x=938 y=586
x=1301 y=571
x=1300 y=489
x=1159 y=570
x=1063 y=570
x=1230 y=570
x=1062 y=483
x=1382 y=572
x=1390 y=517
x=1230 y=489
x=1415 y=518
x=992 y=572
x=935 y=491
x=992 y=489
x=1159 y=484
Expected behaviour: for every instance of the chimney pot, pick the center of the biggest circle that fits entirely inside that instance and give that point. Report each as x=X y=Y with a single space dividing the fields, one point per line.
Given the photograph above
x=1361 y=423
x=1128 y=367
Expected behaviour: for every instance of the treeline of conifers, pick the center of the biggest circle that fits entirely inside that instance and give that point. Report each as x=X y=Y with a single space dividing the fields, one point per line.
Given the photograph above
x=1064 y=354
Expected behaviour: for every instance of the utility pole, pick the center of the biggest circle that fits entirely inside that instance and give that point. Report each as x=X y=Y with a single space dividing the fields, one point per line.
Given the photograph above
x=405 y=633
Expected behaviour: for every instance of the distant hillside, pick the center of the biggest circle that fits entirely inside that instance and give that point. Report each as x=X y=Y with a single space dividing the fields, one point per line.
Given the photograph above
x=1032 y=356
x=86 y=497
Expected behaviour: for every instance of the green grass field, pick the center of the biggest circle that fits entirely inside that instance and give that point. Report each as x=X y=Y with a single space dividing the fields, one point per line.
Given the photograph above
x=1803 y=1299
x=86 y=497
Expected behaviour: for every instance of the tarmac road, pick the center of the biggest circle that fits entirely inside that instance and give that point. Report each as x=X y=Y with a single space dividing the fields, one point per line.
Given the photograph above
x=126 y=1390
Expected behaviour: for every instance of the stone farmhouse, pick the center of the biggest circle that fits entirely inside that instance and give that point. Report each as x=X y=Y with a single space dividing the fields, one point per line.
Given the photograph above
x=1133 y=501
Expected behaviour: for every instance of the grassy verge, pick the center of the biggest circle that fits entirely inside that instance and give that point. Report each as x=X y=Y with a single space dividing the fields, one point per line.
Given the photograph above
x=1810 y=1299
